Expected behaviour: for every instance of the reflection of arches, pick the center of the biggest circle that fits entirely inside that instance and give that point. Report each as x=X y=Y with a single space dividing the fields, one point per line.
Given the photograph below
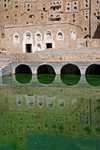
x=50 y=101
x=18 y=100
x=61 y=103
x=38 y=47
x=40 y=101
x=30 y=100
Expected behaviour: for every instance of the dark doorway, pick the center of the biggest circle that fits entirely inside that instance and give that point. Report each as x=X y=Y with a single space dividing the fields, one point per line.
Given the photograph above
x=48 y=45
x=29 y=48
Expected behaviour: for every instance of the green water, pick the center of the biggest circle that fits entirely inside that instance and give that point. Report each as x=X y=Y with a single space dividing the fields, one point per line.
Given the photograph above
x=47 y=112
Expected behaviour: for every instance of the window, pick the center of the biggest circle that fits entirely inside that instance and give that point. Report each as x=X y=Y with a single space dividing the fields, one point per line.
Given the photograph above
x=43 y=8
x=31 y=5
x=38 y=47
x=75 y=8
x=5 y=5
x=73 y=15
x=38 y=36
x=24 y=5
x=16 y=38
x=51 y=16
x=3 y=35
x=98 y=17
x=73 y=35
x=28 y=36
x=60 y=36
x=16 y=6
x=68 y=9
x=48 y=35
x=28 y=6
x=86 y=3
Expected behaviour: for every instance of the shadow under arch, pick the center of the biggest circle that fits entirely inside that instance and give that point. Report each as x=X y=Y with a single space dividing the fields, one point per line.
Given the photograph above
x=45 y=74
x=70 y=74
x=23 y=74
x=92 y=75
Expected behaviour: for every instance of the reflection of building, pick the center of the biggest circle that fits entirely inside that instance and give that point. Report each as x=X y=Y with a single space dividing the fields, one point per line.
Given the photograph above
x=70 y=116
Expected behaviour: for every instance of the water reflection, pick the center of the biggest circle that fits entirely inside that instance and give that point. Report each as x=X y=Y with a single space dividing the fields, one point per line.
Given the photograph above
x=93 y=80
x=70 y=79
x=31 y=115
x=23 y=78
x=45 y=78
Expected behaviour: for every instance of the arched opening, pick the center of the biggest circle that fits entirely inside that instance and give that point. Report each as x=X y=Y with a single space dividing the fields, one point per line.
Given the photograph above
x=38 y=47
x=48 y=35
x=92 y=75
x=60 y=36
x=70 y=74
x=23 y=74
x=38 y=36
x=28 y=42
x=45 y=74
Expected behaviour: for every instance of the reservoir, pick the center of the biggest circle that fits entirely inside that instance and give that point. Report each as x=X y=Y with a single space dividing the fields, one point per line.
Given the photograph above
x=48 y=111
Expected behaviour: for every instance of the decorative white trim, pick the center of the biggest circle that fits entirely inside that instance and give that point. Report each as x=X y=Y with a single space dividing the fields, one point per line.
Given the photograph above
x=27 y=41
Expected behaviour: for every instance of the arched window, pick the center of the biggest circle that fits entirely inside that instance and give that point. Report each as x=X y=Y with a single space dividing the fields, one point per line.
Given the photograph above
x=38 y=47
x=73 y=35
x=48 y=35
x=51 y=15
x=16 y=38
x=38 y=36
x=28 y=36
x=60 y=36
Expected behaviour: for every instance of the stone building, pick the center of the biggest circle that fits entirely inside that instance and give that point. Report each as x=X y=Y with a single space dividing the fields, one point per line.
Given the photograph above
x=35 y=25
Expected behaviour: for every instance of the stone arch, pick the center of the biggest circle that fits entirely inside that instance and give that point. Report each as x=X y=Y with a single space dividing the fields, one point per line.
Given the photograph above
x=70 y=74
x=46 y=74
x=92 y=74
x=23 y=73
